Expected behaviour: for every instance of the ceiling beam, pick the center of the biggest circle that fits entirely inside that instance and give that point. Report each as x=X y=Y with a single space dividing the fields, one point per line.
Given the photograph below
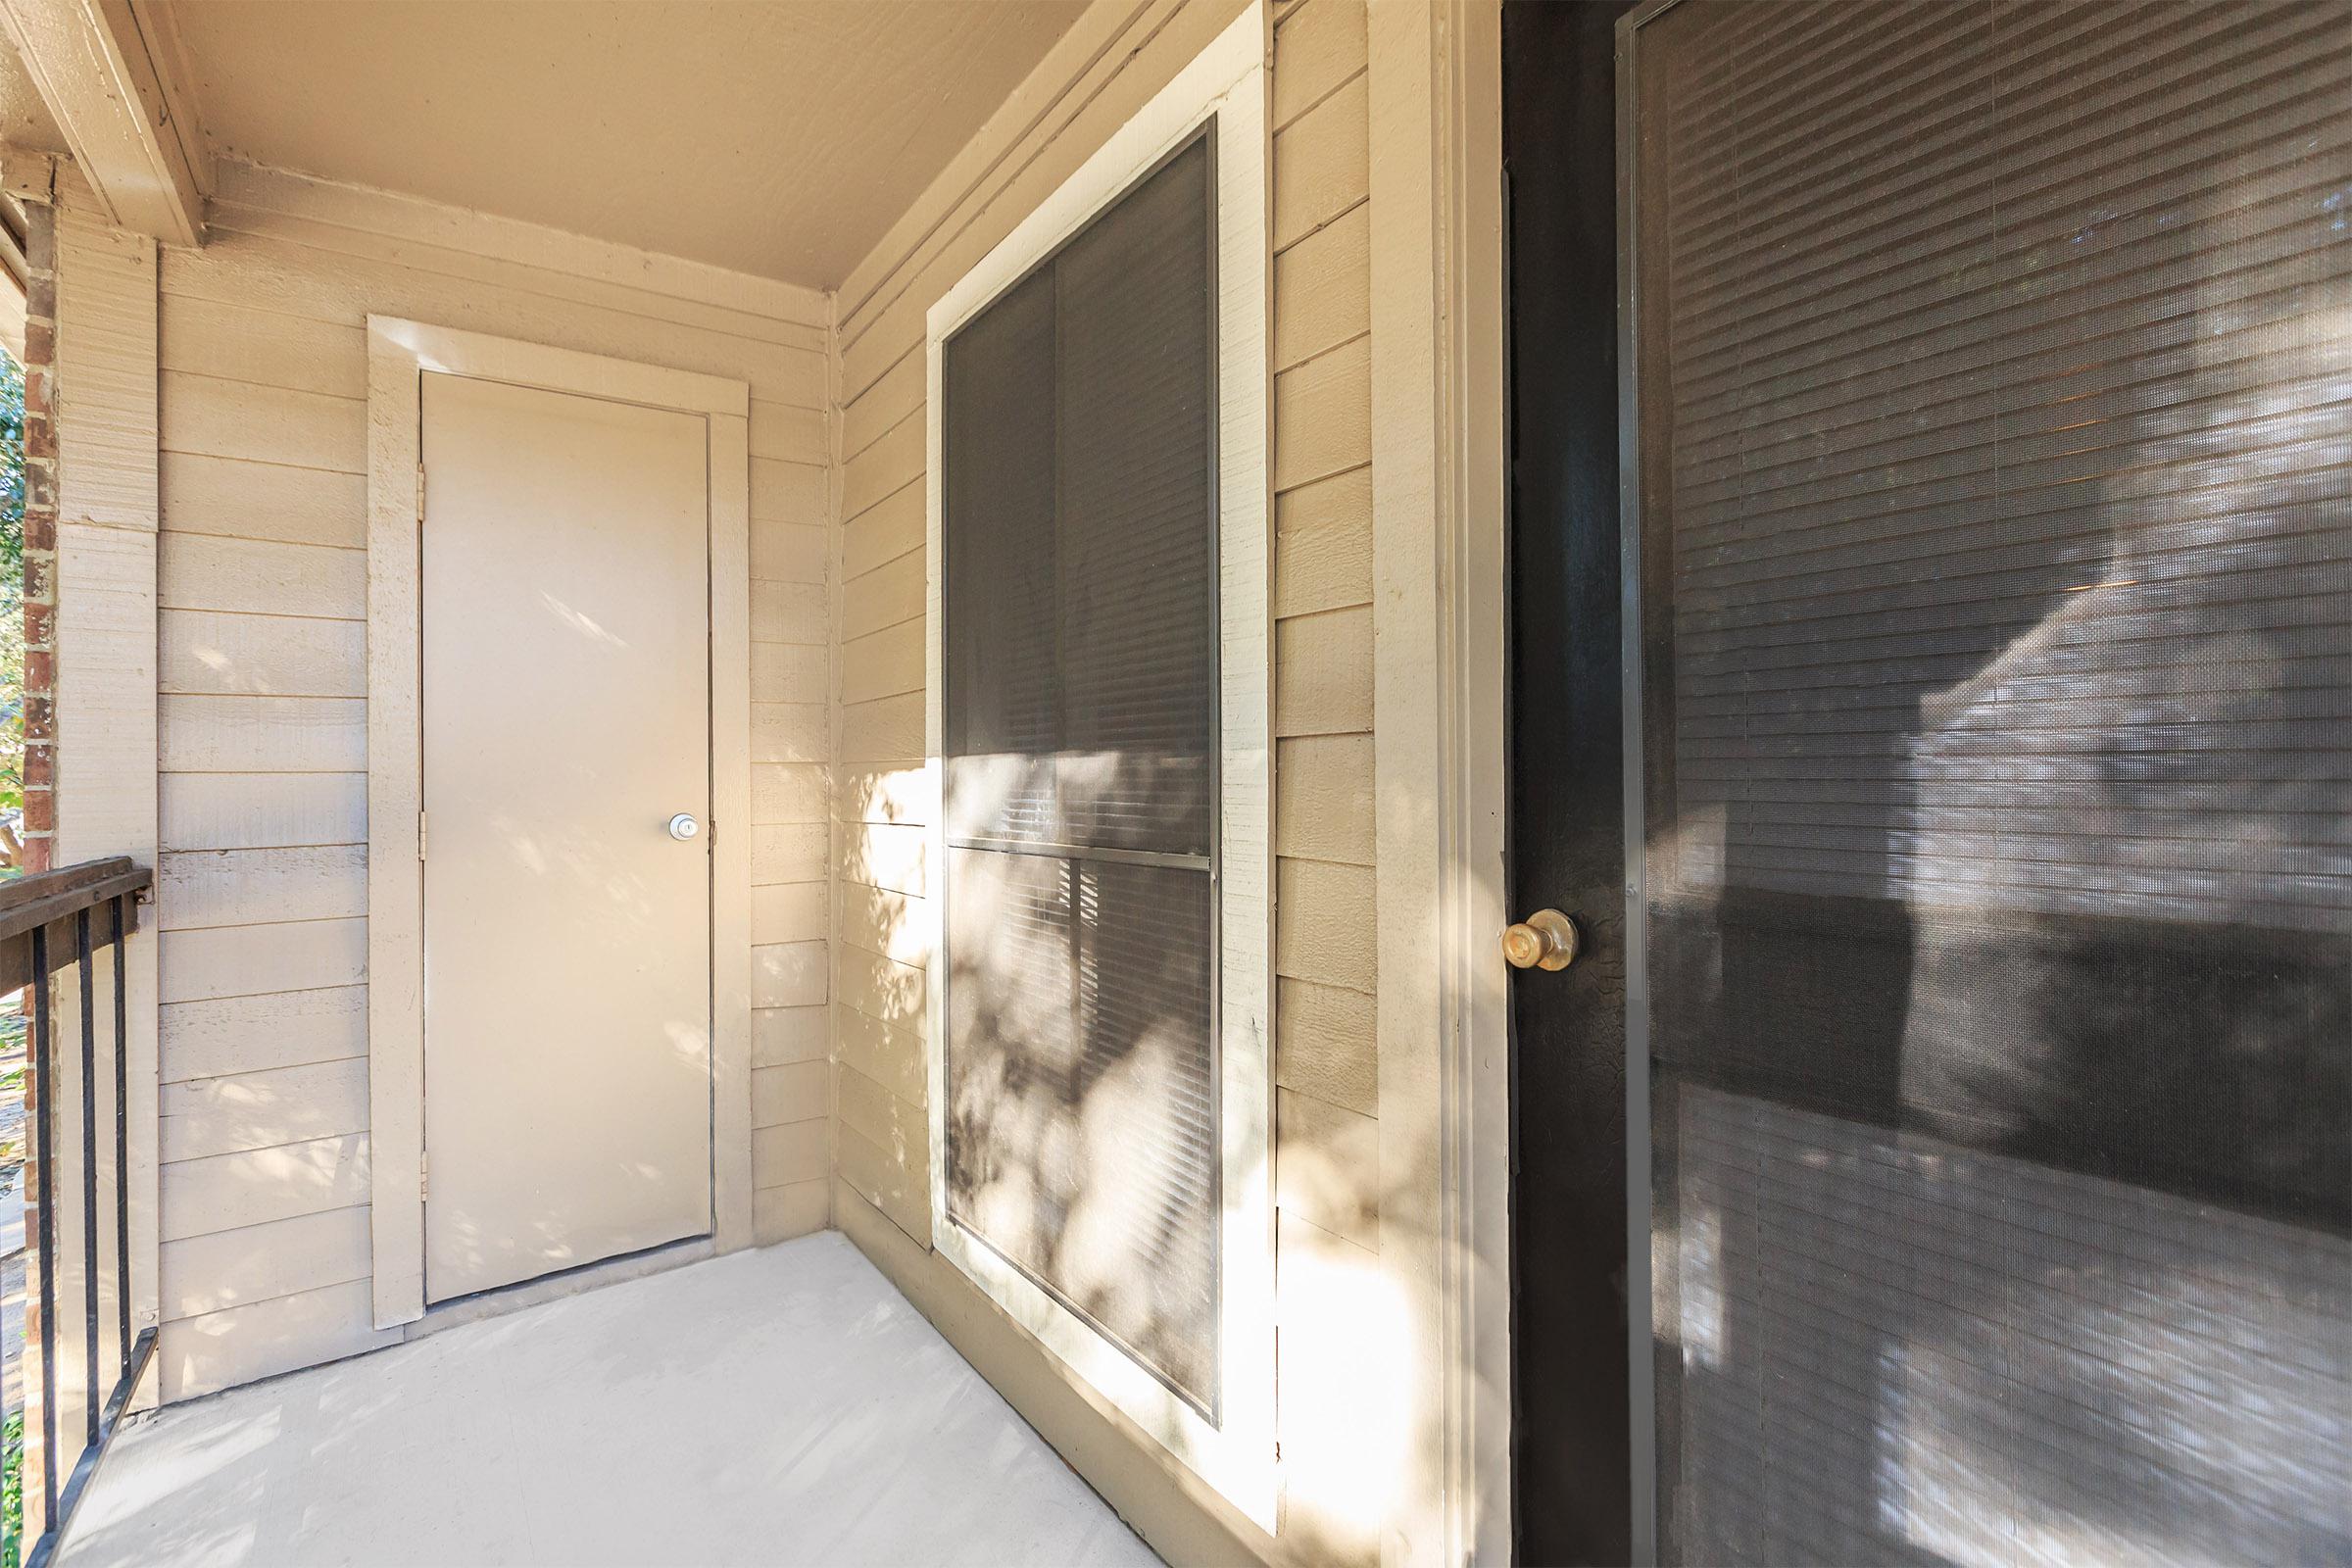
x=110 y=72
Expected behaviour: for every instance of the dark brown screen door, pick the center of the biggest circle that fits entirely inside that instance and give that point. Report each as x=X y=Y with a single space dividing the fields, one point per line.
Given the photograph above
x=1991 y=522
x=1988 y=958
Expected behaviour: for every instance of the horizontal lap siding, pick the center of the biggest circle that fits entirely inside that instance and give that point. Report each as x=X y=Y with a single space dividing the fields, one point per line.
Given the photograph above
x=792 y=515
x=881 y=1086
x=261 y=897
x=1326 y=1102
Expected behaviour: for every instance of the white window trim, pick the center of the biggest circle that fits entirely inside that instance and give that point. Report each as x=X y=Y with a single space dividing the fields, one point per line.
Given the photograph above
x=1227 y=80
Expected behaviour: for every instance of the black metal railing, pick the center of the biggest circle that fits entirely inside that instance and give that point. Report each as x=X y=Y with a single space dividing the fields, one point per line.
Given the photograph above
x=46 y=925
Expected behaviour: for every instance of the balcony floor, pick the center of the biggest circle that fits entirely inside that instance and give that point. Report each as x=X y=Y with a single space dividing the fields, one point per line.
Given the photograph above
x=784 y=1406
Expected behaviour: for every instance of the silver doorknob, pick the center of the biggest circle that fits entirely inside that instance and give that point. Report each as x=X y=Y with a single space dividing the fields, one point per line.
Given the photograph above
x=1544 y=940
x=683 y=826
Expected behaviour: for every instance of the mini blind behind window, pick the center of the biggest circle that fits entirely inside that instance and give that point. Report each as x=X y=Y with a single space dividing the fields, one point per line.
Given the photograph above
x=1080 y=674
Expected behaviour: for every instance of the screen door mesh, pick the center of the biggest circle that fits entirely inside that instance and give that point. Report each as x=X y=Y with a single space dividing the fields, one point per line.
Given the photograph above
x=1080 y=624
x=1995 y=369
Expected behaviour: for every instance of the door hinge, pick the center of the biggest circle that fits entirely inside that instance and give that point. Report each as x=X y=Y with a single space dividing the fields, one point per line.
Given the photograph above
x=425 y=1177
x=419 y=835
x=420 y=493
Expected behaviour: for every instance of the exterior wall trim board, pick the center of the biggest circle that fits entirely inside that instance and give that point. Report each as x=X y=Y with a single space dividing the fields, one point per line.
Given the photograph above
x=1439 y=608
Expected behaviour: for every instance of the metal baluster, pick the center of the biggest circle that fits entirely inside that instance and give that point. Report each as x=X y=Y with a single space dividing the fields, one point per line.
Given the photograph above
x=90 y=1173
x=122 y=1141
x=44 y=1089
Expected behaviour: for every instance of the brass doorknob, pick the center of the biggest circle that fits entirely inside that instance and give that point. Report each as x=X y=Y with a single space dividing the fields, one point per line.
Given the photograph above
x=1544 y=940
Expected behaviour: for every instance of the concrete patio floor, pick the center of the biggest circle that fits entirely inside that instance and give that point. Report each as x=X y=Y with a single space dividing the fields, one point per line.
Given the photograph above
x=784 y=1406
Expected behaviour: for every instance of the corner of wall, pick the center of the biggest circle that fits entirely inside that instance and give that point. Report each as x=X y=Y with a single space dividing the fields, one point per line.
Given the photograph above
x=834 y=458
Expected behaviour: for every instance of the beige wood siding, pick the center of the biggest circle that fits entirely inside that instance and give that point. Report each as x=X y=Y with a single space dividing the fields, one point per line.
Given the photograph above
x=1326 y=1098
x=103 y=581
x=1326 y=1163
x=261 y=587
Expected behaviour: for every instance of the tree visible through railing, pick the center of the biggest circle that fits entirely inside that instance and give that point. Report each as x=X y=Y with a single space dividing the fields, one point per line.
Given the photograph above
x=12 y=861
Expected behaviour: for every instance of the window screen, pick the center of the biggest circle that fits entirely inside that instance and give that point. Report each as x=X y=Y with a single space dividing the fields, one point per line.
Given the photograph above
x=1995 y=373
x=1079 y=640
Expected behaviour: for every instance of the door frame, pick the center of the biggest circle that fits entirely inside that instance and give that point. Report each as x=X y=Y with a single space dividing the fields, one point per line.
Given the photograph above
x=1440 y=606
x=398 y=352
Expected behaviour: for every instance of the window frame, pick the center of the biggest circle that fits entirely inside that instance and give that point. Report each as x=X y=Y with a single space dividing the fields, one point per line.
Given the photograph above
x=1224 y=89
